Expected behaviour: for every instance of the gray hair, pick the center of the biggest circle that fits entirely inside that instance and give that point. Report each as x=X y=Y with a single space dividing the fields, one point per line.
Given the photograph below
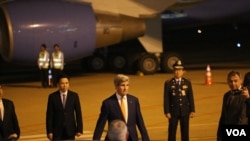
x=119 y=78
x=117 y=130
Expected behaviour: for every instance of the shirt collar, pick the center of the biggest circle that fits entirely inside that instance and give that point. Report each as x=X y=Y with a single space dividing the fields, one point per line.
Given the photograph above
x=62 y=93
x=119 y=96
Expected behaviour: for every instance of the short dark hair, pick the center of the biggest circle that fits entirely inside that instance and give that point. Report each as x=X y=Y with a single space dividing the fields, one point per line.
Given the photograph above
x=62 y=75
x=233 y=73
x=44 y=45
x=56 y=45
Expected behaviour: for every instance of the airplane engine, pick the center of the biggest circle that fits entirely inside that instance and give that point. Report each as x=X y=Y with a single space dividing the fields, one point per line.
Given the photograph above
x=116 y=28
x=26 y=24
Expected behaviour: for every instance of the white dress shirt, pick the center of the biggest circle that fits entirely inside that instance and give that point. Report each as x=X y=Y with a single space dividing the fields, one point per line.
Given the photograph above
x=1 y=109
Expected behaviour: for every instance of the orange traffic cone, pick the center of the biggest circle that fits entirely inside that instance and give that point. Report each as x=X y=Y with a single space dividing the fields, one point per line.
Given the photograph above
x=208 y=80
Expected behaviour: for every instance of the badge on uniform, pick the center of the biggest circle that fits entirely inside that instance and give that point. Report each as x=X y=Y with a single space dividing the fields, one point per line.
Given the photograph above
x=184 y=87
x=183 y=92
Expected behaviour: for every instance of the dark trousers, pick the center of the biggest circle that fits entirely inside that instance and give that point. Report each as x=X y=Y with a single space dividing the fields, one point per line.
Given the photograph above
x=64 y=136
x=184 y=127
x=44 y=77
x=4 y=137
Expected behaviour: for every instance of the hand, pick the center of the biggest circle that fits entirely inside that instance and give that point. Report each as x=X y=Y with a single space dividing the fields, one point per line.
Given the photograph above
x=78 y=134
x=245 y=92
x=168 y=115
x=191 y=114
x=50 y=136
x=12 y=136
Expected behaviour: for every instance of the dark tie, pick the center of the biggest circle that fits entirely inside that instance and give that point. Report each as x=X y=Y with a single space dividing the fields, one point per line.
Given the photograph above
x=64 y=100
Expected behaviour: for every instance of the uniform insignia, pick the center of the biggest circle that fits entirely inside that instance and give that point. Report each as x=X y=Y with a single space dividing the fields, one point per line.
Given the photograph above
x=183 y=92
x=184 y=87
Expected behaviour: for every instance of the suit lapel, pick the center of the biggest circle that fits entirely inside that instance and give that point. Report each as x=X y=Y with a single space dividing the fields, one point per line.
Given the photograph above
x=59 y=100
x=130 y=106
x=6 y=109
x=117 y=107
x=117 y=104
x=68 y=98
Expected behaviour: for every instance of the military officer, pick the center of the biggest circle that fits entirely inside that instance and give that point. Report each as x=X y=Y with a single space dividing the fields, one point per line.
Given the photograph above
x=178 y=103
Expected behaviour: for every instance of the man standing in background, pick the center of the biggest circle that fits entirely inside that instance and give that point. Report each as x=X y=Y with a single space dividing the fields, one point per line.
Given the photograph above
x=64 y=115
x=57 y=63
x=9 y=127
x=178 y=103
x=43 y=64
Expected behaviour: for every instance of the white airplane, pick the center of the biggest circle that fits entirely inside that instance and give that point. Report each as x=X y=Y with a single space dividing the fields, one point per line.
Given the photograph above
x=81 y=27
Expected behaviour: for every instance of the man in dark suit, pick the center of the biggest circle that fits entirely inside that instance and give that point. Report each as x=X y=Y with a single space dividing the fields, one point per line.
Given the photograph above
x=112 y=109
x=248 y=106
x=9 y=127
x=64 y=115
x=234 y=106
x=178 y=103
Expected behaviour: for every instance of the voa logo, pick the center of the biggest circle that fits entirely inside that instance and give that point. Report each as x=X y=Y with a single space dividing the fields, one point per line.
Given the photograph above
x=236 y=132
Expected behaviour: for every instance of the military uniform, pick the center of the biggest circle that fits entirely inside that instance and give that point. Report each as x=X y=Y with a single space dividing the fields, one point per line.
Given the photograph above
x=179 y=102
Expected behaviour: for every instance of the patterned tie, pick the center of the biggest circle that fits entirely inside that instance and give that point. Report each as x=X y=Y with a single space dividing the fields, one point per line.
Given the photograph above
x=123 y=108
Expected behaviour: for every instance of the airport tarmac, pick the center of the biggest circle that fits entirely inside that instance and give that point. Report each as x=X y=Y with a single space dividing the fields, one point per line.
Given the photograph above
x=31 y=101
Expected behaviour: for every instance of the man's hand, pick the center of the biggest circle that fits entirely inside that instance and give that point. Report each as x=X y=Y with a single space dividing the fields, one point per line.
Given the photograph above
x=245 y=92
x=192 y=114
x=50 y=136
x=78 y=134
x=12 y=136
x=168 y=115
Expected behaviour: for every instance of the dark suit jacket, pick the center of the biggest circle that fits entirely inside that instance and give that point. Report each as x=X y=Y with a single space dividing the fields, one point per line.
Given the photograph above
x=234 y=111
x=110 y=110
x=178 y=99
x=248 y=110
x=57 y=117
x=9 y=125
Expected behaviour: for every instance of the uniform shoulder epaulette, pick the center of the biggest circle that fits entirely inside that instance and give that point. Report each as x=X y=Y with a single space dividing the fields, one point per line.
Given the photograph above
x=167 y=80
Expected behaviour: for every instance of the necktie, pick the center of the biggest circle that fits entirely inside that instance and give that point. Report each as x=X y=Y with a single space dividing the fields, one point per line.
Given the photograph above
x=64 y=100
x=179 y=82
x=123 y=108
